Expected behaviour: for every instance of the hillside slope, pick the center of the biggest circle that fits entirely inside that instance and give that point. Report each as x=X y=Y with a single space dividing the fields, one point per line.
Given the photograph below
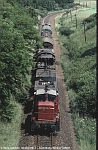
x=77 y=36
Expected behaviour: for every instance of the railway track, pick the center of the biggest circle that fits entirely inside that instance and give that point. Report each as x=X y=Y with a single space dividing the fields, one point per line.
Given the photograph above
x=65 y=138
x=44 y=142
x=47 y=18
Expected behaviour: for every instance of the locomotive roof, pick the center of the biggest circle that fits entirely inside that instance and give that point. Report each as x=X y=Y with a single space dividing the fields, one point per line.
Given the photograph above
x=46 y=103
x=48 y=40
x=49 y=91
x=44 y=76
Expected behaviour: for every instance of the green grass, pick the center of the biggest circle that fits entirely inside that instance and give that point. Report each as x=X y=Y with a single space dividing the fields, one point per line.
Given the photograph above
x=81 y=14
x=85 y=13
x=85 y=129
x=10 y=132
x=89 y=3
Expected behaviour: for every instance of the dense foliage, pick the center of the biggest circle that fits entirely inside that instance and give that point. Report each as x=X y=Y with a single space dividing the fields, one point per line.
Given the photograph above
x=17 y=33
x=46 y=4
x=65 y=31
x=78 y=60
x=80 y=70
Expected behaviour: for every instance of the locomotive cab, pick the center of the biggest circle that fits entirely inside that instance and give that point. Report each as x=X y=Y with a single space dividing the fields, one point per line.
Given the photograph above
x=45 y=111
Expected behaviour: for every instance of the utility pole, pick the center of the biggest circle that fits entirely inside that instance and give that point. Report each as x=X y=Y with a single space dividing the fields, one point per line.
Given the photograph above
x=90 y=4
x=67 y=13
x=71 y=15
x=84 y=31
x=76 y=20
x=86 y=4
x=76 y=8
x=83 y=4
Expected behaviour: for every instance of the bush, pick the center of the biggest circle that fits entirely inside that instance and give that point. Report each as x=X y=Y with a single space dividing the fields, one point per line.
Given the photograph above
x=89 y=26
x=90 y=19
x=65 y=31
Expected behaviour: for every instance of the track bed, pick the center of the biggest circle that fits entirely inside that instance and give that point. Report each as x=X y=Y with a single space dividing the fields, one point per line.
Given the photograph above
x=65 y=139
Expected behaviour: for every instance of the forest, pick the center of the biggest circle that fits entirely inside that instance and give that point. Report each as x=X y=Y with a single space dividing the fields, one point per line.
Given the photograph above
x=48 y=4
x=18 y=32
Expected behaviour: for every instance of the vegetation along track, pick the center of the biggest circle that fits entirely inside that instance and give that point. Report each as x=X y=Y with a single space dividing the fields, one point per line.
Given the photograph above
x=65 y=139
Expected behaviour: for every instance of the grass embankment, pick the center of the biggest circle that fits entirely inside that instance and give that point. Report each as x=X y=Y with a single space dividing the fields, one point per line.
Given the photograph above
x=85 y=132
x=10 y=132
x=79 y=51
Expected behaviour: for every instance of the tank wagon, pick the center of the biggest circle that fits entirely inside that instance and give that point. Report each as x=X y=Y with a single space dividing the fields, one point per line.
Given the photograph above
x=45 y=56
x=47 y=42
x=46 y=27
x=46 y=31
x=45 y=110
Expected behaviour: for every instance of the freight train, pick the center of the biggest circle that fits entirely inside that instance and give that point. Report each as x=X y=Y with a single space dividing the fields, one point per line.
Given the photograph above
x=45 y=110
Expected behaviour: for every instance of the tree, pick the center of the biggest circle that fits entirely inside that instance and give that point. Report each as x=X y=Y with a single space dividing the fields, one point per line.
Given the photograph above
x=16 y=30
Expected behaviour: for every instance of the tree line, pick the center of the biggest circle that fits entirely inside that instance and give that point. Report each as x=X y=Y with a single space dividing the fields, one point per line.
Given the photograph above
x=18 y=21
x=17 y=32
x=46 y=4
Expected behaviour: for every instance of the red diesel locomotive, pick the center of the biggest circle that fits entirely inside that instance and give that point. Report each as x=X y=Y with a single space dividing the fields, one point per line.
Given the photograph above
x=45 y=113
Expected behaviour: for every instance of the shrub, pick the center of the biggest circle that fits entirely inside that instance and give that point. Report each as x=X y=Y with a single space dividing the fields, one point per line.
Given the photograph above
x=65 y=31
x=92 y=18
